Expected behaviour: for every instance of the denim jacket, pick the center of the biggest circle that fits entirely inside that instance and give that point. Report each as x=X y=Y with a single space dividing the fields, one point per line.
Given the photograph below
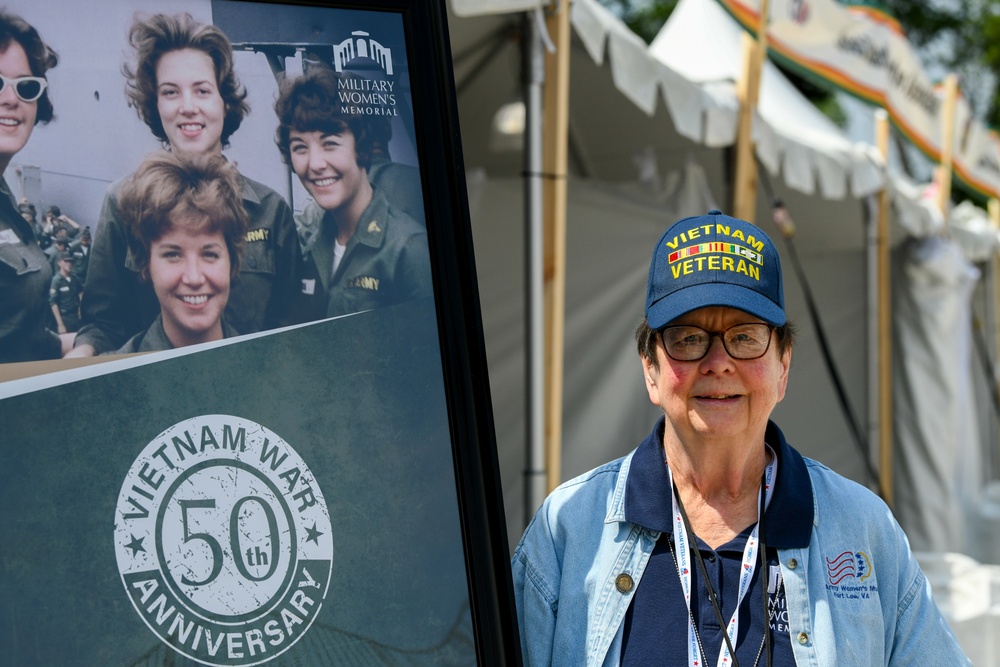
x=854 y=591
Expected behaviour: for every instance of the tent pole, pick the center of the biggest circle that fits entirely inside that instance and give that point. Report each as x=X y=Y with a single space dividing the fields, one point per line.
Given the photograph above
x=534 y=76
x=556 y=147
x=748 y=92
x=873 y=324
x=993 y=208
x=884 y=318
x=947 y=142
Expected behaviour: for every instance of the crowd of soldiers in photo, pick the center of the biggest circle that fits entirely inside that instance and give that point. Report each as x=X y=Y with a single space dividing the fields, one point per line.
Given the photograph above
x=67 y=245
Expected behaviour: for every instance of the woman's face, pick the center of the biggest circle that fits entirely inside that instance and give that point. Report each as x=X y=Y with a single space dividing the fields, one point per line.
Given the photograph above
x=327 y=165
x=17 y=118
x=717 y=397
x=190 y=272
x=188 y=101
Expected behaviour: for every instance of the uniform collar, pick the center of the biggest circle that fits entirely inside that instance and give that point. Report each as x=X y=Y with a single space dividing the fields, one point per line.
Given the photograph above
x=249 y=193
x=8 y=210
x=789 y=517
x=370 y=231
x=155 y=339
x=371 y=226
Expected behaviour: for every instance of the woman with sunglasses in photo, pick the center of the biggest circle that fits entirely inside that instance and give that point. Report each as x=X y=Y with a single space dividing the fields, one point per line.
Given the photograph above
x=183 y=86
x=25 y=272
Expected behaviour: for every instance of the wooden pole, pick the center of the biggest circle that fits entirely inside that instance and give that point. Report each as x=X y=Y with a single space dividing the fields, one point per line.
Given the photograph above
x=993 y=208
x=748 y=92
x=947 y=142
x=556 y=147
x=885 y=413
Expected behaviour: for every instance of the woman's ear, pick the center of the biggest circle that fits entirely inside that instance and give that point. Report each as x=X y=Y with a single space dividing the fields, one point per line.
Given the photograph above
x=786 y=363
x=651 y=376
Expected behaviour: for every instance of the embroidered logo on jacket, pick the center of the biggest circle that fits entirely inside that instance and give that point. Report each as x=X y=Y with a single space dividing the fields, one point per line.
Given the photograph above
x=848 y=565
x=846 y=573
x=364 y=282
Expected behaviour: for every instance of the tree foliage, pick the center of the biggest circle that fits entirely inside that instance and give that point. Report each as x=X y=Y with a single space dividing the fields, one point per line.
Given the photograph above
x=644 y=17
x=960 y=36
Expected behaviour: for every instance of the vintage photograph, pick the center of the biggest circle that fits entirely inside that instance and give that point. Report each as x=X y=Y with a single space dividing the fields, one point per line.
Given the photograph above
x=196 y=170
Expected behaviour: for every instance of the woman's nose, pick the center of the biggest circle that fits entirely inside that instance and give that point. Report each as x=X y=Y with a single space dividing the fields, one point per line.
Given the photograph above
x=187 y=102
x=8 y=96
x=316 y=161
x=717 y=354
x=193 y=274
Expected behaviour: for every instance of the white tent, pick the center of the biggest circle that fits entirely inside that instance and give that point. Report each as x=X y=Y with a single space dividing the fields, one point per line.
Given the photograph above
x=648 y=131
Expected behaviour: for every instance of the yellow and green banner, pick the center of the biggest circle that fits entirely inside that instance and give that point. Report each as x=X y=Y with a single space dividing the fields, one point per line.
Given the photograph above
x=863 y=51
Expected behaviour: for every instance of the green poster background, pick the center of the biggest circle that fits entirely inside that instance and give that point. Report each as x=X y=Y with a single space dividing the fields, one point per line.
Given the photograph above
x=360 y=398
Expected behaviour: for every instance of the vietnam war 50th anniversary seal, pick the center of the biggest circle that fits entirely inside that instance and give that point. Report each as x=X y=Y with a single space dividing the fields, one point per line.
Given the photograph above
x=223 y=541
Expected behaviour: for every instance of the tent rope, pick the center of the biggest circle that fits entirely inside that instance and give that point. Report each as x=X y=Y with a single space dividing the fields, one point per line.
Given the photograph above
x=781 y=220
x=982 y=347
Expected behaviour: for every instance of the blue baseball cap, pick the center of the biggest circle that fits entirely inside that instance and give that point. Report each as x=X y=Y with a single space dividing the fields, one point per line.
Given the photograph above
x=714 y=260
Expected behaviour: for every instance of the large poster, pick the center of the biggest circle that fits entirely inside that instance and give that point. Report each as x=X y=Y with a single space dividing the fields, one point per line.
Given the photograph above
x=289 y=472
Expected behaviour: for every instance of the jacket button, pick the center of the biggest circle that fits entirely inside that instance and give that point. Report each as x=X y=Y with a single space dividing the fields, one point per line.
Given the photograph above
x=803 y=638
x=792 y=563
x=624 y=583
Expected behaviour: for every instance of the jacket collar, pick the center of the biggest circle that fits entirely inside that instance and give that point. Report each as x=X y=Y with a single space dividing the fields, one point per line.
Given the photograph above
x=8 y=210
x=644 y=491
x=248 y=192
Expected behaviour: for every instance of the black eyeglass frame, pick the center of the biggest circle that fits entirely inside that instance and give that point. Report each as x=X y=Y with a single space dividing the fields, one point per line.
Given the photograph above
x=722 y=337
x=41 y=82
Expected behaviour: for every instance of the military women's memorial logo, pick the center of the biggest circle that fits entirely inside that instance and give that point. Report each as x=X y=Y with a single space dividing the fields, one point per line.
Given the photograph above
x=223 y=541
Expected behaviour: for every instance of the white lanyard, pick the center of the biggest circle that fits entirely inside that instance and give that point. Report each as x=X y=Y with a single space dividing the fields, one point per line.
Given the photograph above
x=747 y=569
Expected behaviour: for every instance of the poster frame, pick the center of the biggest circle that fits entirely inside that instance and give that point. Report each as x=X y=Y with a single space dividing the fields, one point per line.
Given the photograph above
x=458 y=315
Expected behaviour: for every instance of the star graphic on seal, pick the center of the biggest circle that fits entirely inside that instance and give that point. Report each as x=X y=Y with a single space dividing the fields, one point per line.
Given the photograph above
x=312 y=535
x=135 y=545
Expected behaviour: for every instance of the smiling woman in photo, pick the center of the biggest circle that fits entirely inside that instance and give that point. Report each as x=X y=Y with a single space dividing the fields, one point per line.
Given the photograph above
x=361 y=252
x=186 y=227
x=25 y=272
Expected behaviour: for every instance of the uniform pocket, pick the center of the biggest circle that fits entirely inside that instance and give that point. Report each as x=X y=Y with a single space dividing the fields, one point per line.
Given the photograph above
x=258 y=256
x=21 y=258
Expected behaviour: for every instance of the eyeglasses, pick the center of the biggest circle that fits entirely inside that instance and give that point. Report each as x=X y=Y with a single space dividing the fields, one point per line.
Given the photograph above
x=742 y=341
x=28 y=88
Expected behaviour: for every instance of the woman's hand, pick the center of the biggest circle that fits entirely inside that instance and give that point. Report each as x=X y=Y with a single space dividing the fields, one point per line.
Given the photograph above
x=85 y=350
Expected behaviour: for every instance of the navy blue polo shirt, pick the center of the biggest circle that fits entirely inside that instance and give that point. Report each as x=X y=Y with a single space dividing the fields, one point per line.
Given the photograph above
x=656 y=624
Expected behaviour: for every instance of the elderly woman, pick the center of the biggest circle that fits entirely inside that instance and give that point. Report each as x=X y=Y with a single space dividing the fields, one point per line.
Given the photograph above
x=361 y=251
x=183 y=86
x=715 y=542
x=187 y=225
x=25 y=272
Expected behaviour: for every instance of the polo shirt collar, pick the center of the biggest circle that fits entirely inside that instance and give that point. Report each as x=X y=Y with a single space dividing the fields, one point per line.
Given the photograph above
x=789 y=516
